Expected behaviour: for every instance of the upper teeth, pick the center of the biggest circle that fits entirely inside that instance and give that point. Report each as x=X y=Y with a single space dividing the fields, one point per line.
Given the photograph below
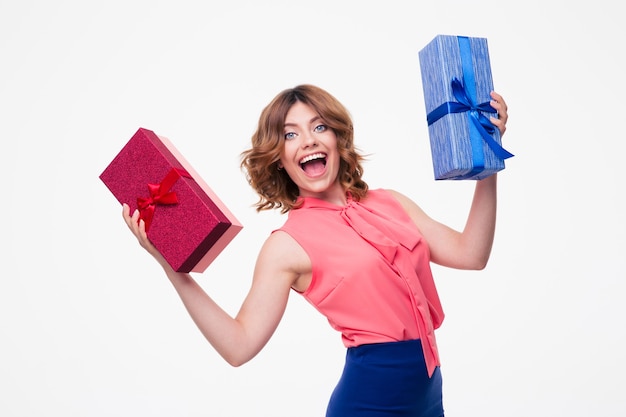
x=311 y=157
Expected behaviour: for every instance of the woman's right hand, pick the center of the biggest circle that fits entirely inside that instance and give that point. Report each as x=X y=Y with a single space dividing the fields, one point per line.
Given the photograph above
x=138 y=227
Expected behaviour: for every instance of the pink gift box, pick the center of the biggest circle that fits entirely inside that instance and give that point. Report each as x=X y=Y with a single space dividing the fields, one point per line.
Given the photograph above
x=186 y=221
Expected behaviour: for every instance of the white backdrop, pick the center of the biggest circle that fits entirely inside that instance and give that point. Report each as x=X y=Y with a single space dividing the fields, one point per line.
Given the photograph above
x=91 y=327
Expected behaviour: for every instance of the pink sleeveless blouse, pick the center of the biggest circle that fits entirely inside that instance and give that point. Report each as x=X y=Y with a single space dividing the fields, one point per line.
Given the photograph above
x=371 y=273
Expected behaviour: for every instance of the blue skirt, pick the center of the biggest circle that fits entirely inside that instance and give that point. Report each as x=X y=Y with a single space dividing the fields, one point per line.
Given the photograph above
x=387 y=379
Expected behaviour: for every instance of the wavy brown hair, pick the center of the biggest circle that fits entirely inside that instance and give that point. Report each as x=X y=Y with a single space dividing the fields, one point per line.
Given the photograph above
x=274 y=186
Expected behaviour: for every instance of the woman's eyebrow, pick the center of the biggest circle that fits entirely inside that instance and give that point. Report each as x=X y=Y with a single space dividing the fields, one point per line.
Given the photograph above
x=314 y=119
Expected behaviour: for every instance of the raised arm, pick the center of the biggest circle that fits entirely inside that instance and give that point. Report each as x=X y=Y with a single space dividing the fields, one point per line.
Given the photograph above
x=471 y=248
x=237 y=339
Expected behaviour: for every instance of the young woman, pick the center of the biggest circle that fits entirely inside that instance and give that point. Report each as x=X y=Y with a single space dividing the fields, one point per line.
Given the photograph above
x=359 y=256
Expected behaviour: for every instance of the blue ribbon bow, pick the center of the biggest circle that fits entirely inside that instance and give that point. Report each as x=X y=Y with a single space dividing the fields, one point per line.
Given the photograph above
x=465 y=104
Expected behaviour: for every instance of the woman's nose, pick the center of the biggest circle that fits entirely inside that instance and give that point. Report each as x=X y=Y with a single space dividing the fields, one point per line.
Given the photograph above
x=308 y=139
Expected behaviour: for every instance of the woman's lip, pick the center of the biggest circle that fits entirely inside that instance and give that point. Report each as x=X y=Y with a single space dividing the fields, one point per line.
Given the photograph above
x=316 y=155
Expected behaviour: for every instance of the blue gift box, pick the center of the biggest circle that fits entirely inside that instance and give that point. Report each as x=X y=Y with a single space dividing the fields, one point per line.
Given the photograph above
x=457 y=81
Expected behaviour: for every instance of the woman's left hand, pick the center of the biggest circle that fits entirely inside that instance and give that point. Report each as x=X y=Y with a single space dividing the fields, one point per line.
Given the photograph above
x=498 y=103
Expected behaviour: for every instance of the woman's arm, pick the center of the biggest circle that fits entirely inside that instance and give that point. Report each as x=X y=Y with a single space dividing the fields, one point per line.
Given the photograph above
x=471 y=248
x=240 y=338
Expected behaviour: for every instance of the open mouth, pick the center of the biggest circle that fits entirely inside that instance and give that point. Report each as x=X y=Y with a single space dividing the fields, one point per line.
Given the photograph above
x=314 y=163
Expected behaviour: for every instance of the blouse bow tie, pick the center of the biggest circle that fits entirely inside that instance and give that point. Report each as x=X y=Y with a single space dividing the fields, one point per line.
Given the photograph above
x=381 y=231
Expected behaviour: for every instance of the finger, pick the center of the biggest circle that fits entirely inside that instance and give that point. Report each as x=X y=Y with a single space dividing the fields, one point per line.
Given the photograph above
x=499 y=123
x=134 y=222
x=502 y=115
x=497 y=97
x=500 y=106
x=144 y=240
x=142 y=230
x=498 y=103
x=126 y=214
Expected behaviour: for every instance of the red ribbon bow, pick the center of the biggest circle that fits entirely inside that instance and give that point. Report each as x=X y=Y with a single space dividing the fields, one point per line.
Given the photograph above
x=159 y=194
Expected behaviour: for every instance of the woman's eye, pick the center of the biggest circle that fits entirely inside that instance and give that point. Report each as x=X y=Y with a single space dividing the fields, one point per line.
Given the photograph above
x=290 y=135
x=320 y=128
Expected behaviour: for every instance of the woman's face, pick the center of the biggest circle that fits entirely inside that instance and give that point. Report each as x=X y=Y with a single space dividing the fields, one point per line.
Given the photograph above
x=310 y=156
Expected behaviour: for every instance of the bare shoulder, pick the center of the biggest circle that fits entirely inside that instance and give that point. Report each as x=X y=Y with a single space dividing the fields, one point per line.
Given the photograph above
x=426 y=225
x=409 y=205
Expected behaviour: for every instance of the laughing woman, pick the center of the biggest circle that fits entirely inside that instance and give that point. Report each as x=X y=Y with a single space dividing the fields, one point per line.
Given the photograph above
x=361 y=257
